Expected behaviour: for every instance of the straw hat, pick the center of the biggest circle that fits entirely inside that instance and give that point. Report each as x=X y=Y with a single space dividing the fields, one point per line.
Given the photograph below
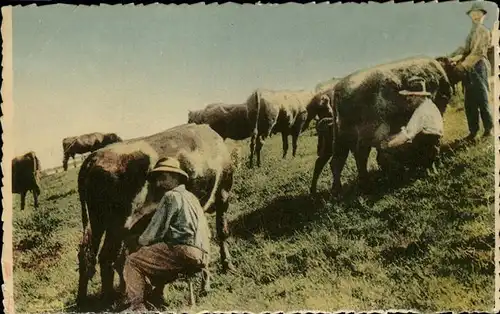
x=416 y=86
x=477 y=6
x=169 y=164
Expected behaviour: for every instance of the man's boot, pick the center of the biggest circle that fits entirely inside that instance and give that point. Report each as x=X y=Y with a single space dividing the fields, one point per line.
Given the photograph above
x=488 y=133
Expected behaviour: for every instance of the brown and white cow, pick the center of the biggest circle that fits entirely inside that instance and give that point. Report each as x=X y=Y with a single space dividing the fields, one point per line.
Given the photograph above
x=272 y=112
x=112 y=186
x=228 y=120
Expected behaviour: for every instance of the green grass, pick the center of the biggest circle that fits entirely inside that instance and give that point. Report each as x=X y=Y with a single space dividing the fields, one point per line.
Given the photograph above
x=423 y=243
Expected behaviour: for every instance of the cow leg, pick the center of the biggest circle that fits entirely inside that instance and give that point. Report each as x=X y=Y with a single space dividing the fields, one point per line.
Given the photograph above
x=295 y=134
x=252 y=149
x=337 y=163
x=87 y=258
x=36 y=192
x=284 y=138
x=318 y=167
x=222 y=230
x=74 y=161
x=119 y=265
x=23 y=199
x=65 y=162
x=258 y=148
x=361 y=154
x=107 y=256
x=295 y=138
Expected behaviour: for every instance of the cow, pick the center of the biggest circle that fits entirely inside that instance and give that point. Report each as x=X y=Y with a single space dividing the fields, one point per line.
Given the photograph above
x=26 y=172
x=272 y=112
x=86 y=143
x=368 y=108
x=324 y=151
x=326 y=85
x=228 y=120
x=112 y=186
x=320 y=106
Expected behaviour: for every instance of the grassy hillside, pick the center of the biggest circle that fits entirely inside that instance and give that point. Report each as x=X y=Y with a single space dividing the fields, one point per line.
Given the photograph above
x=424 y=243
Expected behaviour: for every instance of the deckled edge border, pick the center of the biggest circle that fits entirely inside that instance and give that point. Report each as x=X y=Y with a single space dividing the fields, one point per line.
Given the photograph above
x=6 y=119
x=6 y=122
x=496 y=99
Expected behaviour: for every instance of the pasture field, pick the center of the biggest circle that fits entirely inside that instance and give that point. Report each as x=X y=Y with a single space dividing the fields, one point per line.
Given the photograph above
x=416 y=242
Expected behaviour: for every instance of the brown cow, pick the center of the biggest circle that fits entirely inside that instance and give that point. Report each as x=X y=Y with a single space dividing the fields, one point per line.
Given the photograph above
x=368 y=108
x=326 y=139
x=320 y=105
x=327 y=85
x=86 y=143
x=26 y=176
x=110 y=184
x=272 y=112
x=229 y=121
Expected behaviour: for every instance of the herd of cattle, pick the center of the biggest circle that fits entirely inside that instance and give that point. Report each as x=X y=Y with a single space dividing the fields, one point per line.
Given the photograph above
x=354 y=113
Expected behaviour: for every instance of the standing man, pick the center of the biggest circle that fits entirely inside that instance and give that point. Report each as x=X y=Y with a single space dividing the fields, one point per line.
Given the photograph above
x=474 y=65
x=177 y=239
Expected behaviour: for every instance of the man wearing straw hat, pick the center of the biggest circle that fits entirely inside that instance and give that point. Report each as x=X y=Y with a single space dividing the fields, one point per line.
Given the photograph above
x=472 y=62
x=176 y=240
x=425 y=119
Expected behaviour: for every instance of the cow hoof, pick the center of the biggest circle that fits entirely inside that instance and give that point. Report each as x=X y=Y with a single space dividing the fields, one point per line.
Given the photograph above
x=205 y=291
x=228 y=267
x=312 y=191
x=80 y=302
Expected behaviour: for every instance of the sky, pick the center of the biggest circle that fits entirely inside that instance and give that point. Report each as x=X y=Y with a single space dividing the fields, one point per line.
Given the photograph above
x=137 y=70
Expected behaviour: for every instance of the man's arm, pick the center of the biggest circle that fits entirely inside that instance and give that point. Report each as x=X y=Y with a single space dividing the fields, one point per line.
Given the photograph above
x=480 y=42
x=160 y=222
x=457 y=54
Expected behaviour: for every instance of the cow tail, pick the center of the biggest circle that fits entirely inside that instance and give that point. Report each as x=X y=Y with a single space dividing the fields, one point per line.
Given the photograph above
x=235 y=157
x=253 y=106
x=211 y=200
x=444 y=92
x=82 y=192
x=335 y=118
x=257 y=113
x=36 y=170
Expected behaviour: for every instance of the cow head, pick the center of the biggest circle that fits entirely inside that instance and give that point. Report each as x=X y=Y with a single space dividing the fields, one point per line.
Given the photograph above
x=111 y=138
x=190 y=116
x=319 y=107
x=454 y=76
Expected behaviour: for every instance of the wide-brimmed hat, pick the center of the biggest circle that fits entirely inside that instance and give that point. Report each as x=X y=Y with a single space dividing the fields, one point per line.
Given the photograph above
x=477 y=6
x=169 y=164
x=416 y=86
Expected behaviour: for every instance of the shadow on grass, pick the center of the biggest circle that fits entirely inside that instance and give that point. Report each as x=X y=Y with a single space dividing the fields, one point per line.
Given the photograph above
x=280 y=217
x=285 y=215
x=94 y=303
x=61 y=195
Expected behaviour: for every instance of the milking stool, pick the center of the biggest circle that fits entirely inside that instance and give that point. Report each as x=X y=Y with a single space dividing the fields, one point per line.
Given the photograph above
x=190 y=277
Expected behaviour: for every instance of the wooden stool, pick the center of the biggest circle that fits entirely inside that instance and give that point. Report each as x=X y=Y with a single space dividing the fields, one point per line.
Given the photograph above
x=190 y=277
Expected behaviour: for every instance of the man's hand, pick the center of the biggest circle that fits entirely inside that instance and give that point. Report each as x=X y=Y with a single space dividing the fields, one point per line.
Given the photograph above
x=460 y=69
x=384 y=144
x=455 y=59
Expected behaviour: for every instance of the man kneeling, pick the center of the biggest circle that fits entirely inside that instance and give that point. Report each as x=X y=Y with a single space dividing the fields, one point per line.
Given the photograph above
x=176 y=241
x=426 y=120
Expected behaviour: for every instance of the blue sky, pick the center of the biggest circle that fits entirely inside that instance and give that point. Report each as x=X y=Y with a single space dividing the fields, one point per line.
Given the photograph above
x=137 y=70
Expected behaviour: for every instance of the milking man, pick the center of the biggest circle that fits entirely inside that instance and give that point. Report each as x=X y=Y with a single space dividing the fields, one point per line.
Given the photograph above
x=425 y=119
x=177 y=239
